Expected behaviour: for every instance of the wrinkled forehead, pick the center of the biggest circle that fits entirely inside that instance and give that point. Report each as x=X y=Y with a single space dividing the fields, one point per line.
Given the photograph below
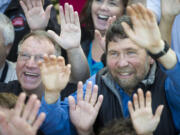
x=37 y=44
x=124 y=45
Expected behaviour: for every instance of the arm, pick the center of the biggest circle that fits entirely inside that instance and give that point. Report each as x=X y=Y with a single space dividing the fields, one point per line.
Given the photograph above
x=144 y=122
x=22 y=120
x=69 y=39
x=169 y=10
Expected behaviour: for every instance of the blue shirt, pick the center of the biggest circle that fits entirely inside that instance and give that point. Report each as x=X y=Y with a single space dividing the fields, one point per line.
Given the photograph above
x=3 y=5
x=93 y=65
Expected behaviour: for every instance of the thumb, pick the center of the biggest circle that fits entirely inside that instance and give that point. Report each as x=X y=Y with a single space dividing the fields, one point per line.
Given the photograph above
x=72 y=104
x=158 y=113
x=55 y=37
x=48 y=11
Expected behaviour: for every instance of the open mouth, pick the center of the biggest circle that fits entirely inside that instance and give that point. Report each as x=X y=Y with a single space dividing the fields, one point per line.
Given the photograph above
x=29 y=74
x=103 y=17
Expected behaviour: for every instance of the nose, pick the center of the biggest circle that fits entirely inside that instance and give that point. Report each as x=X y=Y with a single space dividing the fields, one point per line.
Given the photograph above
x=31 y=63
x=122 y=62
x=104 y=6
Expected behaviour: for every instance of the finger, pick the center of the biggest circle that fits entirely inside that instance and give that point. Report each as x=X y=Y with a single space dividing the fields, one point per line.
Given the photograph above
x=72 y=104
x=94 y=95
x=148 y=99
x=54 y=36
x=29 y=107
x=68 y=70
x=130 y=108
x=128 y=30
x=29 y=4
x=88 y=91
x=110 y=21
x=98 y=35
x=62 y=17
x=39 y=3
x=34 y=3
x=19 y=104
x=47 y=61
x=61 y=61
x=53 y=60
x=77 y=23
x=48 y=12
x=39 y=121
x=136 y=11
x=135 y=101
x=99 y=103
x=79 y=91
x=67 y=13
x=158 y=113
x=152 y=17
x=34 y=112
x=71 y=14
x=141 y=98
x=143 y=12
x=25 y=9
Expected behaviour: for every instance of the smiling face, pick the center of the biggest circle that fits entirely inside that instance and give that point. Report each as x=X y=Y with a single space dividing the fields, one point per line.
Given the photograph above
x=27 y=70
x=128 y=63
x=103 y=9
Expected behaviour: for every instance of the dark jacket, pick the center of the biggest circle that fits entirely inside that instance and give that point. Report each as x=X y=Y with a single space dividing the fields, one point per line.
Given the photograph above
x=16 y=14
x=112 y=107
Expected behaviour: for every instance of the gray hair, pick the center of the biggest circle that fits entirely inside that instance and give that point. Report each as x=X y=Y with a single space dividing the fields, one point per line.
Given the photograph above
x=41 y=34
x=7 y=29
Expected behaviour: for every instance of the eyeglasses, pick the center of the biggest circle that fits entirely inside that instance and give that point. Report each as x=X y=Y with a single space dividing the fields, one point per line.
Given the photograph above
x=25 y=57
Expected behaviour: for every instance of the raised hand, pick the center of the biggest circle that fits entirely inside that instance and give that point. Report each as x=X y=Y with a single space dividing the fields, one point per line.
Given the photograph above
x=145 y=32
x=83 y=113
x=36 y=17
x=70 y=28
x=22 y=120
x=55 y=76
x=142 y=117
x=100 y=39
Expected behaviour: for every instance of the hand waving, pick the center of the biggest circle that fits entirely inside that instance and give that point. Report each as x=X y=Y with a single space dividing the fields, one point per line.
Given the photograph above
x=36 y=17
x=142 y=117
x=84 y=113
x=55 y=75
x=22 y=120
x=70 y=28
x=145 y=32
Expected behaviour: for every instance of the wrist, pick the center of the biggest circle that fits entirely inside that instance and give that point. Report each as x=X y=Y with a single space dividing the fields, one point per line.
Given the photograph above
x=157 y=48
x=73 y=49
x=51 y=97
x=85 y=132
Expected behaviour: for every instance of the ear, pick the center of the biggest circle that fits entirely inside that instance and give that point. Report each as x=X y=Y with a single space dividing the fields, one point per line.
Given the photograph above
x=8 y=48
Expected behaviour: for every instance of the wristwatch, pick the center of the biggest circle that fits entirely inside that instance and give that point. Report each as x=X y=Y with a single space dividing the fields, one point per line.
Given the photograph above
x=161 y=53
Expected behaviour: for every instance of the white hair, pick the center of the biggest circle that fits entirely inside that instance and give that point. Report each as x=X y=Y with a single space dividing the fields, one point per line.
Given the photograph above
x=7 y=29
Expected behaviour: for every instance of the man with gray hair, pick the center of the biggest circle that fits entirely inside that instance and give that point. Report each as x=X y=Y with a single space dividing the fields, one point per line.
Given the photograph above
x=7 y=68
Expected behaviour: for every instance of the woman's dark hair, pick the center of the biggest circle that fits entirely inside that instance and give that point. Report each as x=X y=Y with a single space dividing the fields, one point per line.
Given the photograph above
x=86 y=17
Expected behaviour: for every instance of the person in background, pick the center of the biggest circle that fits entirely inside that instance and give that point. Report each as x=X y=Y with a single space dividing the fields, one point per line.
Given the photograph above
x=23 y=25
x=94 y=21
x=7 y=68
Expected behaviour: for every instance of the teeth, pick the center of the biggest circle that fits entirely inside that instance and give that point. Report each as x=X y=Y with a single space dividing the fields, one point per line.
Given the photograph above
x=104 y=17
x=125 y=74
x=30 y=74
